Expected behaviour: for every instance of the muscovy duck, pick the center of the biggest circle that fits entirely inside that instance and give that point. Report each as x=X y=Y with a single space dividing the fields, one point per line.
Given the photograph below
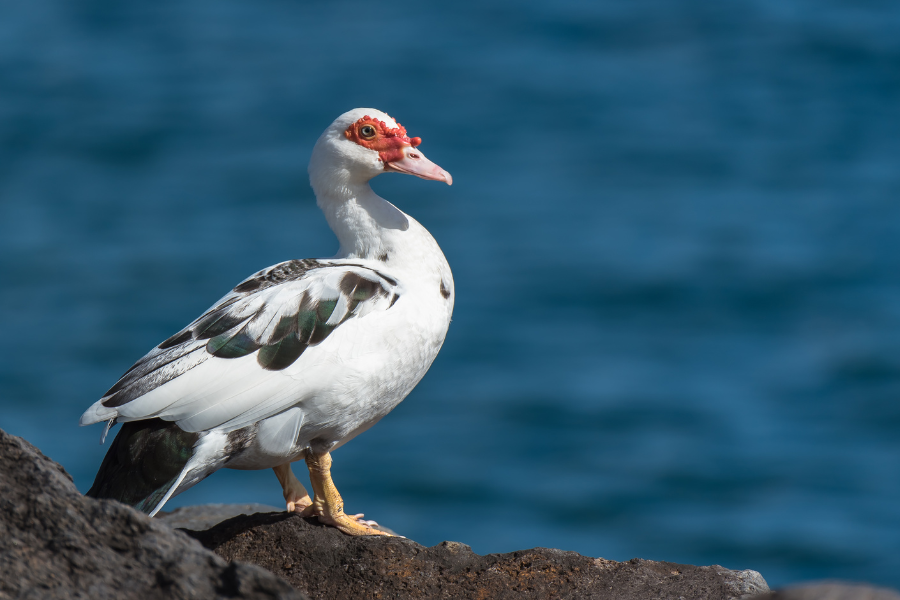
x=299 y=358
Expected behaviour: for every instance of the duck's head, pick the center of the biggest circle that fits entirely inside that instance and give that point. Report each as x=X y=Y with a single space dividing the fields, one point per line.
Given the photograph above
x=363 y=143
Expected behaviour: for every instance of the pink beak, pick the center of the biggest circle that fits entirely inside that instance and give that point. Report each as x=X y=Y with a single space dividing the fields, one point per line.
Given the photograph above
x=414 y=162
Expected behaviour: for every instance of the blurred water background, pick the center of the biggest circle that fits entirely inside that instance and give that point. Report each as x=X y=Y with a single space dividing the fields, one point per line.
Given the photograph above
x=674 y=229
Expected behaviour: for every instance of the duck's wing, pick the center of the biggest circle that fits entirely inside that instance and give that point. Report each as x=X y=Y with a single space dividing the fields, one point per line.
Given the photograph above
x=275 y=316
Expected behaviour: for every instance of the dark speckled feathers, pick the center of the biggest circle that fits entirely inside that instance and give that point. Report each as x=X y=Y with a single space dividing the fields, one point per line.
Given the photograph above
x=292 y=270
x=278 y=313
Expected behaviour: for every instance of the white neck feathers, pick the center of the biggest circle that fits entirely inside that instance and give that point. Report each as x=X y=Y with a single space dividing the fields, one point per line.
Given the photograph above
x=366 y=225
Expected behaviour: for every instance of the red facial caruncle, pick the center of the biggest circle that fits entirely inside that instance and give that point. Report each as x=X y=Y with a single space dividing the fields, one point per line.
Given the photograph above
x=376 y=135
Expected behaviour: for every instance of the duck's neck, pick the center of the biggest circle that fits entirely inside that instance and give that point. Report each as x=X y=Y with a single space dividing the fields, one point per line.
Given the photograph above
x=366 y=225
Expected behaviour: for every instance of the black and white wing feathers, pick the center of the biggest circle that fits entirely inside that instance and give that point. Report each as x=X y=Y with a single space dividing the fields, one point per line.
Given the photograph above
x=277 y=314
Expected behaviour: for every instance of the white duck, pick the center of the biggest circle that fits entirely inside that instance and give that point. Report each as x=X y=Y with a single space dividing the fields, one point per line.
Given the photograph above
x=299 y=358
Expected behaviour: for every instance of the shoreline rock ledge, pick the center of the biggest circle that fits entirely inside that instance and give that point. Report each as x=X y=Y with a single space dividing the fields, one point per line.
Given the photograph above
x=56 y=543
x=325 y=563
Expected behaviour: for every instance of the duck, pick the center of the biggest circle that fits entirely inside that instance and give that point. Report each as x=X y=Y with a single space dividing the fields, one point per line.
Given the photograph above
x=299 y=358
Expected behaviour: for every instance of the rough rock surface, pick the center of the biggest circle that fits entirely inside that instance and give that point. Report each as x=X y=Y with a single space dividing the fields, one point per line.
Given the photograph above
x=204 y=516
x=325 y=563
x=831 y=591
x=55 y=543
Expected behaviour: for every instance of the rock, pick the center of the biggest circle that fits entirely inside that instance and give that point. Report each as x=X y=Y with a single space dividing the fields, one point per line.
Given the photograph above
x=831 y=591
x=325 y=563
x=55 y=543
x=205 y=516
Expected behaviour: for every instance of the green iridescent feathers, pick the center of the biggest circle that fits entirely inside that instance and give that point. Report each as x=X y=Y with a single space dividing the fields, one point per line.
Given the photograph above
x=278 y=314
x=306 y=323
x=143 y=462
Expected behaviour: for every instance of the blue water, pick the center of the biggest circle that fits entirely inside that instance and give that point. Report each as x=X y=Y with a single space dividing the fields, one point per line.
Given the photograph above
x=674 y=228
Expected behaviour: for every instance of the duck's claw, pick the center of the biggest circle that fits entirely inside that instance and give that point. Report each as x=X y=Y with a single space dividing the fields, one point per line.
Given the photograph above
x=328 y=506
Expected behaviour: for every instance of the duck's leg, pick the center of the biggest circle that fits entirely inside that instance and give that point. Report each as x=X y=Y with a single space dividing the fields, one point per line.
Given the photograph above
x=295 y=494
x=328 y=505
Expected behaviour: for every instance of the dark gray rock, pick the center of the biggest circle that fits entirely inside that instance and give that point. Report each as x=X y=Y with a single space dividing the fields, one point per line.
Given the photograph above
x=55 y=543
x=325 y=563
x=204 y=516
x=829 y=590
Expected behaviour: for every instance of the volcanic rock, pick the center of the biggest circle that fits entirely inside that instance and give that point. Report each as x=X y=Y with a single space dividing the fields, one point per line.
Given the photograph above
x=55 y=543
x=831 y=590
x=325 y=563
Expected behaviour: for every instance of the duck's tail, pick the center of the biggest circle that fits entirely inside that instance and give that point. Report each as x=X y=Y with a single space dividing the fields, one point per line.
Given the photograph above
x=146 y=464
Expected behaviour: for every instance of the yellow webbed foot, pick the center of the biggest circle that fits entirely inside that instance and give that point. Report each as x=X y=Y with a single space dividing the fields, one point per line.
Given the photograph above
x=328 y=506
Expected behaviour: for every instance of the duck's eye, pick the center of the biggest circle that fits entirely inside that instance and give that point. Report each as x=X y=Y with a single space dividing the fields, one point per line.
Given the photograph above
x=367 y=132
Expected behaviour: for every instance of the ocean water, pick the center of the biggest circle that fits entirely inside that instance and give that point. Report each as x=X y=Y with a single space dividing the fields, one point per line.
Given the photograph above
x=674 y=229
